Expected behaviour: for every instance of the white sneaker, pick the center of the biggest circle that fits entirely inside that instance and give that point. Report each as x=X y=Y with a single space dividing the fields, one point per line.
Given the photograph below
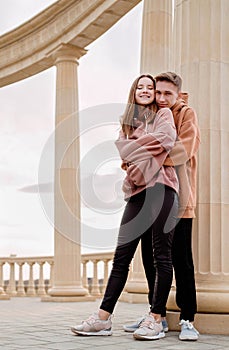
x=188 y=332
x=93 y=326
x=149 y=329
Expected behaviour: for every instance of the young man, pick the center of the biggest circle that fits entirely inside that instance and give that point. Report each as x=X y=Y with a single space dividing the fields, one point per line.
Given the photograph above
x=184 y=157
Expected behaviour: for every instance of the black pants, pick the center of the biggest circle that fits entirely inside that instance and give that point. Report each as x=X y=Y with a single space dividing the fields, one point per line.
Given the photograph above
x=149 y=216
x=184 y=269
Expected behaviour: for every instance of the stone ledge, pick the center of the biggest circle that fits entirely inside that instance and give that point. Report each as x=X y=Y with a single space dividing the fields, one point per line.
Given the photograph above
x=48 y=298
x=205 y=323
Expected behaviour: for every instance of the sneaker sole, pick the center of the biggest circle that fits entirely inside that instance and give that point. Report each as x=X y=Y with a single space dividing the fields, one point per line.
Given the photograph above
x=99 y=333
x=188 y=338
x=148 y=337
x=132 y=330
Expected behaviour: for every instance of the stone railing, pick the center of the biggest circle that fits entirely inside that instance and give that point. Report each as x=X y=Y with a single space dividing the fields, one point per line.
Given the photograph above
x=33 y=276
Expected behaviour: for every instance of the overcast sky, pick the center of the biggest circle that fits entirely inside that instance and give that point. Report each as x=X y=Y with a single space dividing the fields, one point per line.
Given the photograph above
x=27 y=120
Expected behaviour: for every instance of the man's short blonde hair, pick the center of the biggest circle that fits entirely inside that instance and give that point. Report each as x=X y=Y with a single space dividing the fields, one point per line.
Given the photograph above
x=171 y=77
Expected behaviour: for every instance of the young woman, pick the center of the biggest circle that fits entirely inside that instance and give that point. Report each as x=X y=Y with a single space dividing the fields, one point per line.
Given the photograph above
x=146 y=137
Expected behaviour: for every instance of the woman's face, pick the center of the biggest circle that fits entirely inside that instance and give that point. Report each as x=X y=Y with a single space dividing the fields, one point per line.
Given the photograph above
x=144 y=94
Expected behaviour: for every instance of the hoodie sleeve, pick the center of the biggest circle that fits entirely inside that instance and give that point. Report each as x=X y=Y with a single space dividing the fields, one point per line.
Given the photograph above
x=144 y=153
x=142 y=145
x=187 y=144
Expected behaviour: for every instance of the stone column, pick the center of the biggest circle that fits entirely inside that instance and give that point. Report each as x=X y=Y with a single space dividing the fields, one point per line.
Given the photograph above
x=31 y=286
x=67 y=284
x=11 y=289
x=156 y=56
x=203 y=62
x=21 y=286
x=156 y=45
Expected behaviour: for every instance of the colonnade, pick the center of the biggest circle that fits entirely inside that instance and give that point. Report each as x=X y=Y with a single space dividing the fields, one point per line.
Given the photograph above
x=192 y=40
x=198 y=51
x=190 y=37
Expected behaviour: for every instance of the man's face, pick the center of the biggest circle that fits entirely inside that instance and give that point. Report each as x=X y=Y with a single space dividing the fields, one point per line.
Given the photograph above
x=166 y=94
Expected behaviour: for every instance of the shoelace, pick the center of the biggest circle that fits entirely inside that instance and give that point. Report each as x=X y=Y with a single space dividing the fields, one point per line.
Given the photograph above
x=188 y=324
x=146 y=323
x=149 y=323
x=93 y=318
x=90 y=319
x=139 y=322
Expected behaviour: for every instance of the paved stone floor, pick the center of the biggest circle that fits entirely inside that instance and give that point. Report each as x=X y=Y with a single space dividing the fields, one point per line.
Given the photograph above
x=28 y=323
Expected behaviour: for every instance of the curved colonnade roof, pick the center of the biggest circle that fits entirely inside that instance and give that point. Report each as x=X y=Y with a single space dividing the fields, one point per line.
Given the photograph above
x=29 y=49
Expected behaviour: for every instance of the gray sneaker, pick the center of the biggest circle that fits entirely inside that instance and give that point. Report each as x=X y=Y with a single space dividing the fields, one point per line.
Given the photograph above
x=188 y=332
x=165 y=325
x=149 y=330
x=133 y=326
x=93 y=326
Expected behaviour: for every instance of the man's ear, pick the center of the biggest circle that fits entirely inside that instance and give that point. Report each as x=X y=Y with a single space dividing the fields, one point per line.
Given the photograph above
x=183 y=96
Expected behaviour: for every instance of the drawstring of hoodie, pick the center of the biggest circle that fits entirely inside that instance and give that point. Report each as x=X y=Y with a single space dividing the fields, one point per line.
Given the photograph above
x=146 y=116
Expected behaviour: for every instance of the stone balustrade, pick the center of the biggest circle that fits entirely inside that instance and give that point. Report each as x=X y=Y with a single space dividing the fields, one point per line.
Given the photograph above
x=33 y=276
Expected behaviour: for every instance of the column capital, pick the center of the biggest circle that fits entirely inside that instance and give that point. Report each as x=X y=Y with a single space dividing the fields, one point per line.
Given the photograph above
x=67 y=52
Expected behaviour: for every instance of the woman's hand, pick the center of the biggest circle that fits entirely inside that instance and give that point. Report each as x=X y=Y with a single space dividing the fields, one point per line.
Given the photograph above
x=139 y=131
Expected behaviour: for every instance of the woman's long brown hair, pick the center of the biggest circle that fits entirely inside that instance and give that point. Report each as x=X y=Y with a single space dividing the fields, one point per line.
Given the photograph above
x=127 y=120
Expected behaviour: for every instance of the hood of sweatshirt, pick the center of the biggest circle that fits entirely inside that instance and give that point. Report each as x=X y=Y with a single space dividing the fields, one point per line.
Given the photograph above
x=176 y=108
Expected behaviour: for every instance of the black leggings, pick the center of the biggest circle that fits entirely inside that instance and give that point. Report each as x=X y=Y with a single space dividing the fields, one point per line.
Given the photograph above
x=149 y=216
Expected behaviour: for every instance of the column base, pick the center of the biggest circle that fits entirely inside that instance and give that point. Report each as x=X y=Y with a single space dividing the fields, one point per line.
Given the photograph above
x=204 y=323
x=3 y=295
x=67 y=291
x=49 y=298
x=209 y=301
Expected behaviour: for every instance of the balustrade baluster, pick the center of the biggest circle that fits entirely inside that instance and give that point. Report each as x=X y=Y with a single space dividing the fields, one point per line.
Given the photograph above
x=41 y=285
x=1 y=275
x=3 y=295
x=11 y=289
x=84 y=277
x=51 y=277
x=105 y=274
x=31 y=287
x=21 y=286
x=95 y=283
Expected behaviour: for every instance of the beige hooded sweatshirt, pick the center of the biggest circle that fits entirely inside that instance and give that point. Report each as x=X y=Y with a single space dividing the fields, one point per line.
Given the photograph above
x=184 y=157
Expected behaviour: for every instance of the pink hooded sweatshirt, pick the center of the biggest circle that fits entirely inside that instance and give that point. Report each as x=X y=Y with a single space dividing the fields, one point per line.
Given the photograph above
x=144 y=152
